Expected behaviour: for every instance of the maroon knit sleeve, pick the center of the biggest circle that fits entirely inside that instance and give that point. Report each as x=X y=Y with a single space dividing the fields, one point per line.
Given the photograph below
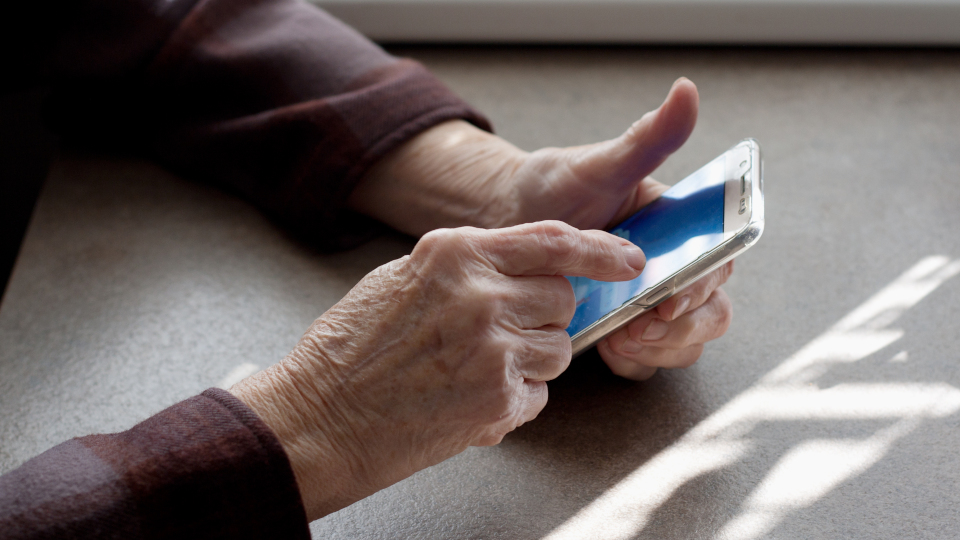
x=204 y=468
x=272 y=99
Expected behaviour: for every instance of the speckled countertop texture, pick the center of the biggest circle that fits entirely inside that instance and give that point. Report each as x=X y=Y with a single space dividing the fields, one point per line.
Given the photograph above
x=831 y=409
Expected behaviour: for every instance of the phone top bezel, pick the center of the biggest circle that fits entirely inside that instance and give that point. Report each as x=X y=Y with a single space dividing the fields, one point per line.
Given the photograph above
x=740 y=232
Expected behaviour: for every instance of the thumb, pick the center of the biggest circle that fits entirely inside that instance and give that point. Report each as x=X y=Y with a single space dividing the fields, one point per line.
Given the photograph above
x=623 y=162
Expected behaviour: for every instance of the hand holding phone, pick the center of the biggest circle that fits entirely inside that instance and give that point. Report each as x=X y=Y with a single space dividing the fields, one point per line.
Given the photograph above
x=691 y=231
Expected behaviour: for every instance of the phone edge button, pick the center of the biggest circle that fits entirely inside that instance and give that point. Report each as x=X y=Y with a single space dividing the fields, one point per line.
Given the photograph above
x=654 y=297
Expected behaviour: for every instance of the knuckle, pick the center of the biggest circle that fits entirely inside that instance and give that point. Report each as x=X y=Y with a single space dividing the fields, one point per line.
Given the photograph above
x=685 y=334
x=721 y=275
x=637 y=326
x=690 y=356
x=384 y=274
x=485 y=305
x=563 y=292
x=639 y=373
x=630 y=369
x=614 y=342
x=505 y=409
x=442 y=242
x=497 y=396
x=536 y=403
x=618 y=364
x=701 y=289
x=486 y=291
x=657 y=356
x=724 y=312
x=559 y=350
x=560 y=242
x=566 y=345
x=436 y=239
x=501 y=405
x=556 y=229
x=503 y=347
x=620 y=368
x=475 y=308
x=491 y=439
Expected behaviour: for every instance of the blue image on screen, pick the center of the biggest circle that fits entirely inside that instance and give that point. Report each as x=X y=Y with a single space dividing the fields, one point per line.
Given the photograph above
x=673 y=231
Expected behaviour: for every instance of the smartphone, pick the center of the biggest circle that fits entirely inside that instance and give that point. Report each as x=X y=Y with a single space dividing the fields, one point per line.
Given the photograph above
x=695 y=227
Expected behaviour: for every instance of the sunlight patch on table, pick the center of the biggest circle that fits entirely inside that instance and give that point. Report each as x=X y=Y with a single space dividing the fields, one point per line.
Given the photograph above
x=237 y=374
x=813 y=467
x=900 y=357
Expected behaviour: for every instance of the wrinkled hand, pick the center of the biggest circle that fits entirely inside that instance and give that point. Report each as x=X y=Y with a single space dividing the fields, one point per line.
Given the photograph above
x=672 y=335
x=455 y=174
x=429 y=354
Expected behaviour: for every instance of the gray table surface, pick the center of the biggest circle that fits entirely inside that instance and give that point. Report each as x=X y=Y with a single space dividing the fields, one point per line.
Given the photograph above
x=830 y=409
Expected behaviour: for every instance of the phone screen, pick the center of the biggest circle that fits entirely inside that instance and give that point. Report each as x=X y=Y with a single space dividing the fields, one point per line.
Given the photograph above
x=673 y=231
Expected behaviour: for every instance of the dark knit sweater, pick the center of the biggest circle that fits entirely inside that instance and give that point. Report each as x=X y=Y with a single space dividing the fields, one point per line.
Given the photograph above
x=273 y=100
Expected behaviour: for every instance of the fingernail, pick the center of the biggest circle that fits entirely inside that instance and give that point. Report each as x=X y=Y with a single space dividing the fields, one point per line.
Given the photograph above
x=631 y=346
x=655 y=330
x=634 y=257
x=681 y=306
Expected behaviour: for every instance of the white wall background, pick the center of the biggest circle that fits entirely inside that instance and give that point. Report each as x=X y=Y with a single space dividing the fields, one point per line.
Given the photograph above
x=817 y=22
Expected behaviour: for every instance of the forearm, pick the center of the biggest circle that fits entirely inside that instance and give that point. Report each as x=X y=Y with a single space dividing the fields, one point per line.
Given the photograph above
x=448 y=176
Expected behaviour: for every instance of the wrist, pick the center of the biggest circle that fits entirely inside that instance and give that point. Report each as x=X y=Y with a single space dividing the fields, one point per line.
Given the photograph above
x=288 y=399
x=451 y=175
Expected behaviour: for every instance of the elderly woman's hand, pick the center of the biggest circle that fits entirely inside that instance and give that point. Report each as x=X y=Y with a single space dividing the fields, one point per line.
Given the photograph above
x=455 y=174
x=429 y=354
